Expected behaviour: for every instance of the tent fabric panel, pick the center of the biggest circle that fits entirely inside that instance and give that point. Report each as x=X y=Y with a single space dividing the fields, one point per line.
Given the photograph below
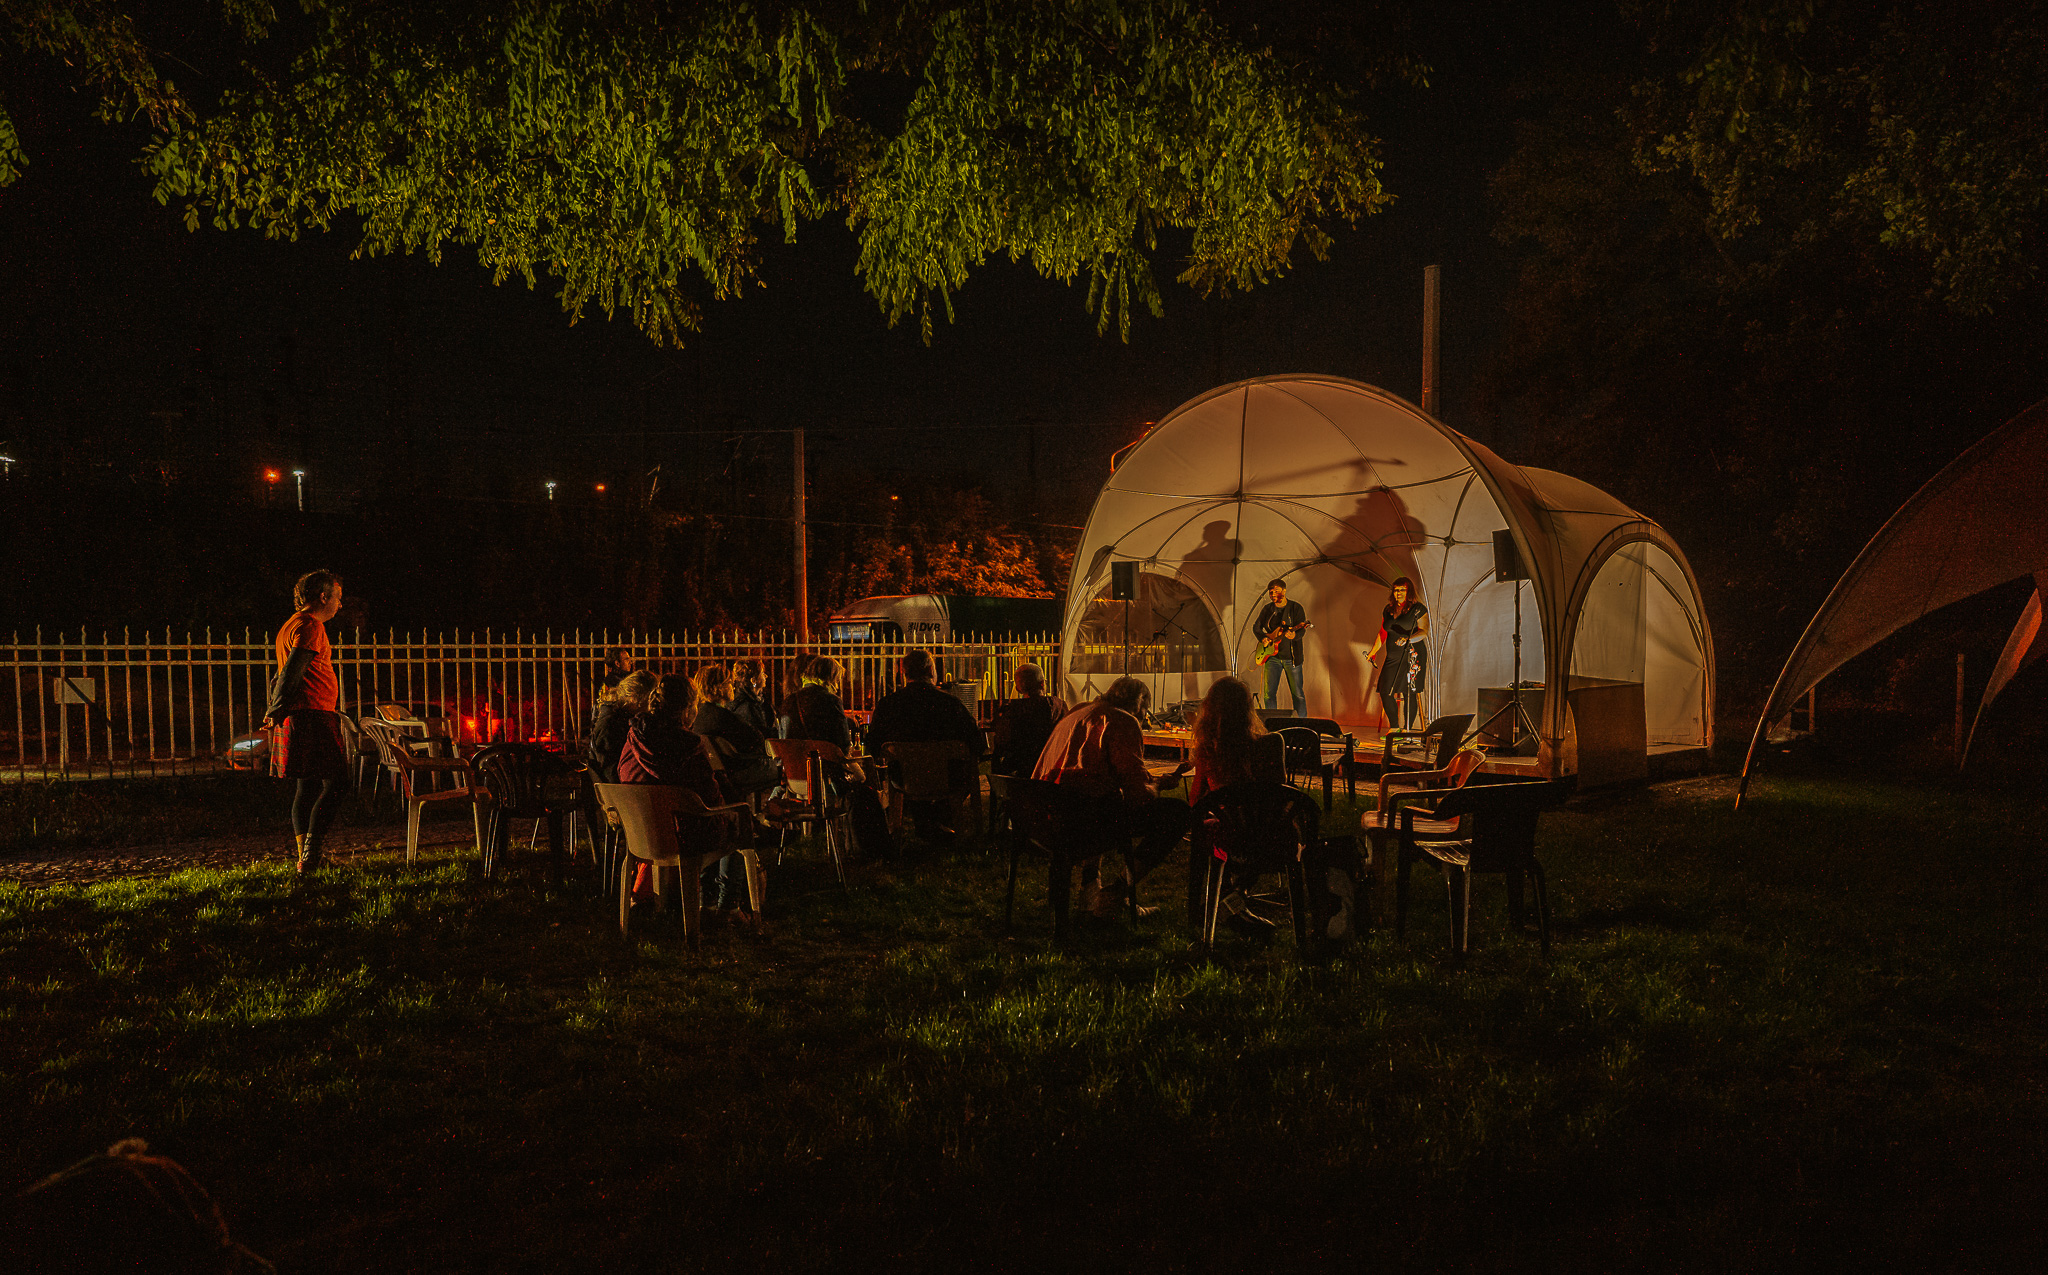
x=1637 y=625
x=2023 y=646
x=1974 y=525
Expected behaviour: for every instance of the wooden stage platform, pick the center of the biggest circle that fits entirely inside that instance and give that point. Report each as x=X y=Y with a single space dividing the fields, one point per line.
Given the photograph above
x=1168 y=745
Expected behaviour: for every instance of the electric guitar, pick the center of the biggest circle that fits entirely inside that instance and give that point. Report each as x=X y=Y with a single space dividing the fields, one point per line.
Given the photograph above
x=1269 y=645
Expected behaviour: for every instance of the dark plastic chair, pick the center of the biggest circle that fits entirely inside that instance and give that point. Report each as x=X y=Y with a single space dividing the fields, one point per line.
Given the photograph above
x=515 y=777
x=1253 y=828
x=1067 y=826
x=808 y=799
x=1473 y=829
x=1306 y=758
x=1448 y=732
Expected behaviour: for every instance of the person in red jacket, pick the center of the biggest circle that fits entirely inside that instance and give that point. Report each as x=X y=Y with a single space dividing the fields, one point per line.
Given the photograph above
x=304 y=715
x=1099 y=749
x=661 y=749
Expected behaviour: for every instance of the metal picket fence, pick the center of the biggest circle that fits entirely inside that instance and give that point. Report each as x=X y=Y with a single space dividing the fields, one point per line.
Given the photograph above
x=80 y=707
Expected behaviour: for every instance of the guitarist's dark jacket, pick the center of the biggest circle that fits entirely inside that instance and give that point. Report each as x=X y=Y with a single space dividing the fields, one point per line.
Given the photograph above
x=1286 y=616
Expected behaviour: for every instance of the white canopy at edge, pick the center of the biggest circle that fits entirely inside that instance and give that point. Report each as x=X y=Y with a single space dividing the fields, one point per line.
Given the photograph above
x=1337 y=488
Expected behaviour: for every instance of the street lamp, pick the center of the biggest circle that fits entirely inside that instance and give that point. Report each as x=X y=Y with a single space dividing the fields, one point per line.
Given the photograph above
x=6 y=466
x=551 y=491
x=299 y=477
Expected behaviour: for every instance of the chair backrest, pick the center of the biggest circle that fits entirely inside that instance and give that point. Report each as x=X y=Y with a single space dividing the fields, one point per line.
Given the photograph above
x=647 y=815
x=386 y=739
x=930 y=771
x=1448 y=732
x=1324 y=726
x=396 y=713
x=515 y=775
x=1462 y=766
x=1500 y=819
x=353 y=741
x=1045 y=813
x=793 y=753
x=1256 y=823
x=796 y=756
x=1304 y=747
x=1034 y=806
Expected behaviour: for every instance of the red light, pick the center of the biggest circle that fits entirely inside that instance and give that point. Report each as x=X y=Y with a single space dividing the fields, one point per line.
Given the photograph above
x=600 y=486
x=270 y=475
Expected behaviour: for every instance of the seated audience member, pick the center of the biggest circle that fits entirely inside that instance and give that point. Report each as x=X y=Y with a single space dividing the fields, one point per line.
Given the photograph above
x=613 y=717
x=1099 y=749
x=813 y=710
x=1232 y=743
x=919 y=712
x=661 y=750
x=746 y=702
x=748 y=767
x=618 y=666
x=1025 y=723
x=1232 y=746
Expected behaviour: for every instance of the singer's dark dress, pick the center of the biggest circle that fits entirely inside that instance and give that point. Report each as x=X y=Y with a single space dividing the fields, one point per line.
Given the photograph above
x=1405 y=670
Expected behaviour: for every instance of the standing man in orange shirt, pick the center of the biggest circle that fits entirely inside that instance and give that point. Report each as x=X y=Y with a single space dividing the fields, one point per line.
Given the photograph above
x=304 y=714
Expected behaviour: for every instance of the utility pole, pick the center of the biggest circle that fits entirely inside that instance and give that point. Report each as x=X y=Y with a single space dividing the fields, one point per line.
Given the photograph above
x=1432 y=312
x=803 y=550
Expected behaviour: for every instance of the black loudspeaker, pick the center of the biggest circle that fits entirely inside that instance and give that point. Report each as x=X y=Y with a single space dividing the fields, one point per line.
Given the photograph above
x=1507 y=560
x=1123 y=581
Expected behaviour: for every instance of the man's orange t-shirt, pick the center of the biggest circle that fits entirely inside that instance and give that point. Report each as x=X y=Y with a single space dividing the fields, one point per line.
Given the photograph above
x=320 y=689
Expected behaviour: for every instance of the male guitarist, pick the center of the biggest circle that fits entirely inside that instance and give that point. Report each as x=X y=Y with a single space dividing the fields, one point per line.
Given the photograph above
x=1278 y=627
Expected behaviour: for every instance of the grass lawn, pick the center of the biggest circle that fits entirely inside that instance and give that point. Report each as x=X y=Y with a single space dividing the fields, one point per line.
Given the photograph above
x=1807 y=1036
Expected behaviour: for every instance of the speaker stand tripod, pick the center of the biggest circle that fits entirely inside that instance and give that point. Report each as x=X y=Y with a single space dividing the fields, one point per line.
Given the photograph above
x=1522 y=723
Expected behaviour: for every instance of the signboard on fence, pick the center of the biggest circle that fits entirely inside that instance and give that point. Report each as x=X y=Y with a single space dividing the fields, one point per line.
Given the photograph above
x=78 y=690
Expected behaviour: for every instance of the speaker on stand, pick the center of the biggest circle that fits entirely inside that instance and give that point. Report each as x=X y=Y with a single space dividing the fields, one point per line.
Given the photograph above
x=1123 y=587
x=1508 y=566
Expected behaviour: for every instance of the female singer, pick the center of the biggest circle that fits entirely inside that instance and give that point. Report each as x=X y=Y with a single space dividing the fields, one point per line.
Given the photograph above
x=1403 y=627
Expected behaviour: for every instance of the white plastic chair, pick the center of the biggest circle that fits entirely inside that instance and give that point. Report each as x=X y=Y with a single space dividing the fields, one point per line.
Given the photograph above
x=649 y=816
x=407 y=769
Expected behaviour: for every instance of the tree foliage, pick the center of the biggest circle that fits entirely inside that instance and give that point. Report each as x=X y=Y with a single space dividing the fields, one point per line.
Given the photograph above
x=1770 y=394
x=636 y=152
x=1923 y=123
x=949 y=540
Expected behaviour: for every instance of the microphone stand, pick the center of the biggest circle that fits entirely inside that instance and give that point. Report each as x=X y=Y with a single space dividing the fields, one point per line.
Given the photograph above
x=1172 y=622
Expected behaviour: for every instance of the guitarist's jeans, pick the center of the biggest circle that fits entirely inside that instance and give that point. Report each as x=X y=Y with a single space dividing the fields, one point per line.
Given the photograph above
x=1274 y=667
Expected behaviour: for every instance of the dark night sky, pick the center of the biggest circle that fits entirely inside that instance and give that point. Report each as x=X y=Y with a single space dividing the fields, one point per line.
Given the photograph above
x=116 y=318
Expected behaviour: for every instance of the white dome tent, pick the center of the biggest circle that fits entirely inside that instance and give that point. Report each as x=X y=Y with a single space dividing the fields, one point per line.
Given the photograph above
x=1337 y=488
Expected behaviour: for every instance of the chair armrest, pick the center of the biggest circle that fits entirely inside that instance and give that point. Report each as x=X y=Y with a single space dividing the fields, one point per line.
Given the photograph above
x=1387 y=739
x=1409 y=805
x=438 y=763
x=1412 y=779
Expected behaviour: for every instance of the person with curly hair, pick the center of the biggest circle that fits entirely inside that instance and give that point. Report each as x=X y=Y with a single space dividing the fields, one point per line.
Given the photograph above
x=1231 y=742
